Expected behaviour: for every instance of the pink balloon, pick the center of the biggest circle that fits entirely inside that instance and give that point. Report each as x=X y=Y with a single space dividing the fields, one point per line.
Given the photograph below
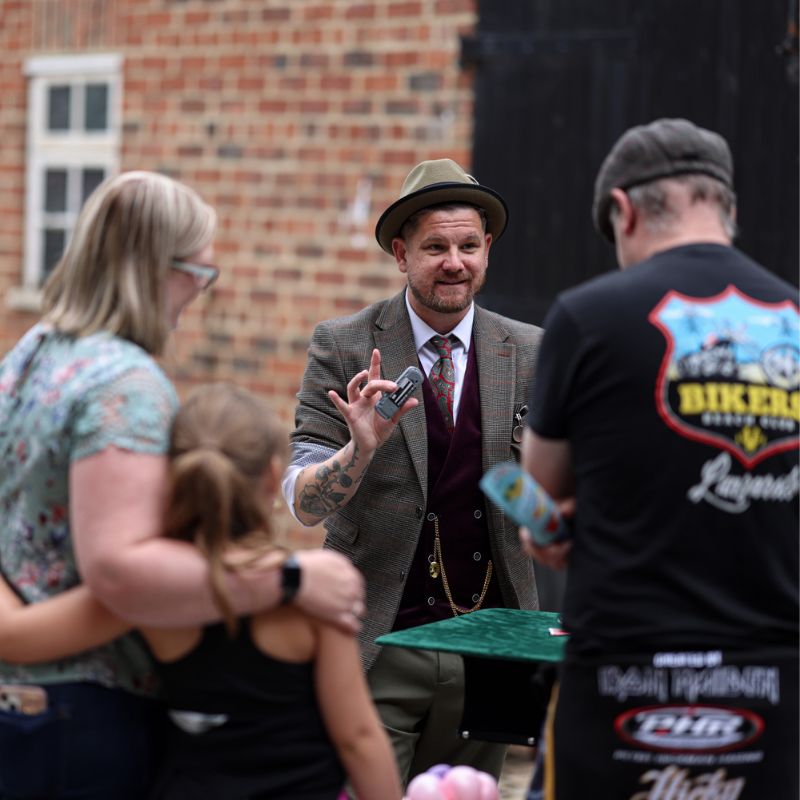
x=462 y=783
x=425 y=787
x=488 y=787
x=449 y=792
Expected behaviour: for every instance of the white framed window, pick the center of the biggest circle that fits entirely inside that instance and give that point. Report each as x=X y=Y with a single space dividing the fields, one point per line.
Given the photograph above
x=73 y=143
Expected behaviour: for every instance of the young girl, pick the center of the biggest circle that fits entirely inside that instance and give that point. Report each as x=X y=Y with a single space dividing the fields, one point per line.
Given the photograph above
x=273 y=705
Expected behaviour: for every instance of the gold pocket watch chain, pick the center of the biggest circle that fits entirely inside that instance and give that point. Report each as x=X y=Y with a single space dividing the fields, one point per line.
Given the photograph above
x=436 y=567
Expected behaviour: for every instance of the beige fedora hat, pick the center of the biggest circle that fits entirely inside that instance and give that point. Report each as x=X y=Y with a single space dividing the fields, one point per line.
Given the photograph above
x=431 y=183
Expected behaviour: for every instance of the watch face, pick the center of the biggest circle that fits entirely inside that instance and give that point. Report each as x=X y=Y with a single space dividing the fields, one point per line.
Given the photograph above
x=290 y=578
x=291 y=574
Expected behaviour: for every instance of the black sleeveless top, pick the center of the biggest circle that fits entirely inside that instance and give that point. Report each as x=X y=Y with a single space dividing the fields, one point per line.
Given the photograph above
x=262 y=732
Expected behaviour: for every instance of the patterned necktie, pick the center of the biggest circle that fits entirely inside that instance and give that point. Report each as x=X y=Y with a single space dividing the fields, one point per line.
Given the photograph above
x=443 y=378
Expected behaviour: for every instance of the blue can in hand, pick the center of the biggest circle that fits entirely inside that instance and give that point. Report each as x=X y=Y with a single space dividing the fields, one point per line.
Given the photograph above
x=521 y=498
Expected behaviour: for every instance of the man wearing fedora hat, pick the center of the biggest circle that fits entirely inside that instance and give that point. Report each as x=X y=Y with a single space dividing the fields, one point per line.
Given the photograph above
x=400 y=497
x=666 y=404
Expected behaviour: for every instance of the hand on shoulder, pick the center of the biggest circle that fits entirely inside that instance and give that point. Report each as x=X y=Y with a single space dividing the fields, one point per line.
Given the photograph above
x=331 y=588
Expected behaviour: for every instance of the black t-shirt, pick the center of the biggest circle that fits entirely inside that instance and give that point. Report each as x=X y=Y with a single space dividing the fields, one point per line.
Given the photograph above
x=268 y=738
x=675 y=383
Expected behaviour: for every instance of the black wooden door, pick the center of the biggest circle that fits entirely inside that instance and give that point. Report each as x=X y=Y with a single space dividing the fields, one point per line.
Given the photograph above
x=557 y=81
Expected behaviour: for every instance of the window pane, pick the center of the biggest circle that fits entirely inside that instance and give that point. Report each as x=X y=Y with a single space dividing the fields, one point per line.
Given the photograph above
x=55 y=190
x=54 y=239
x=58 y=101
x=92 y=178
x=96 y=107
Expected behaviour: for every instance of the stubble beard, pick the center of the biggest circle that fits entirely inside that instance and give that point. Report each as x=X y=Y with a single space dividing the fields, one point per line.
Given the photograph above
x=444 y=306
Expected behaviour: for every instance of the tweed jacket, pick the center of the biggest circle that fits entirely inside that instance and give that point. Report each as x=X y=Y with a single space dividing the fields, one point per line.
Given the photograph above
x=379 y=528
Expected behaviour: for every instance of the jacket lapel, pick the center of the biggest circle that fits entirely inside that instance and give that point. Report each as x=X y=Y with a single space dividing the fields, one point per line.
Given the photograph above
x=395 y=339
x=497 y=371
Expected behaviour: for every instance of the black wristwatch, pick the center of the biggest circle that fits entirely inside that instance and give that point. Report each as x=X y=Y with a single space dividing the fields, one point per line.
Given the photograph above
x=290 y=579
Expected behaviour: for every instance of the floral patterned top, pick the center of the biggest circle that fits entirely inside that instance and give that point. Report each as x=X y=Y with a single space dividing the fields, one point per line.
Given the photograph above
x=63 y=398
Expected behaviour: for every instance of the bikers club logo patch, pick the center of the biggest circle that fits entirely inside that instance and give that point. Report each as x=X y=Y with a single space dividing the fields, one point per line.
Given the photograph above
x=731 y=372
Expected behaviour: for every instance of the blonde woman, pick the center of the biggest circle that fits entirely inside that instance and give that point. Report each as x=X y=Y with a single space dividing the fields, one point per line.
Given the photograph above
x=85 y=413
x=269 y=705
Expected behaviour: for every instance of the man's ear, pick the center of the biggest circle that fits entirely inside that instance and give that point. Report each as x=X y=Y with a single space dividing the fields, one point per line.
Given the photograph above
x=399 y=251
x=626 y=215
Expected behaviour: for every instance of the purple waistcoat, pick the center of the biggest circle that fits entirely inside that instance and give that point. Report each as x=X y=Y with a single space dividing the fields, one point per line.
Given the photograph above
x=454 y=469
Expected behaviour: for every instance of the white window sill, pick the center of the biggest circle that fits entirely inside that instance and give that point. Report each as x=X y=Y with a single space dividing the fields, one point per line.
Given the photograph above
x=24 y=298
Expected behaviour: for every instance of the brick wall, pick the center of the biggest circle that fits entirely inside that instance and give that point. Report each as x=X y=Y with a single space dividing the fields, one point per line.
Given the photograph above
x=296 y=119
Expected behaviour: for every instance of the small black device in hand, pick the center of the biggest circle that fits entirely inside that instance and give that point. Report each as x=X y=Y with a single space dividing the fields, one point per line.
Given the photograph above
x=409 y=381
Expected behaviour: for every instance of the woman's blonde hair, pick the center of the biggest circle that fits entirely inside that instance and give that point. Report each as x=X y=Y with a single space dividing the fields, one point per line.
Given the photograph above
x=112 y=276
x=223 y=441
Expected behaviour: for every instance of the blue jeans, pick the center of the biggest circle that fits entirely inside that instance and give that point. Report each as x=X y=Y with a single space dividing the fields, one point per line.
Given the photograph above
x=92 y=743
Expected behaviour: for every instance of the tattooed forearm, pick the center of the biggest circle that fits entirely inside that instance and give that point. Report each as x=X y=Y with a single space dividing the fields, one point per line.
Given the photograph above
x=323 y=495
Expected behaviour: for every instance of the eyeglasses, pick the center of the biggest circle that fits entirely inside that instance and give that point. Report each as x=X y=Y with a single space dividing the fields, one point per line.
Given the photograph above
x=205 y=274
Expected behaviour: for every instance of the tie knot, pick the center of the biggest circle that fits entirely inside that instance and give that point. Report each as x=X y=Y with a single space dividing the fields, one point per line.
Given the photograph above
x=443 y=345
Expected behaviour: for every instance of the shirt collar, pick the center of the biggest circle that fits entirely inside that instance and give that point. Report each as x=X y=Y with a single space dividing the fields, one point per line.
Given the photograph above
x=423 y=332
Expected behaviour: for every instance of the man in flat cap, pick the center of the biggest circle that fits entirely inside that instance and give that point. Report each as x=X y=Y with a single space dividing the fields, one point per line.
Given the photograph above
x=666 y=406
x=400 y=497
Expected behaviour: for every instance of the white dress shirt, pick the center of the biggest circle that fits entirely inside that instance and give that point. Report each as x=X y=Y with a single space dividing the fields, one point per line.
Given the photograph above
x=428 y=354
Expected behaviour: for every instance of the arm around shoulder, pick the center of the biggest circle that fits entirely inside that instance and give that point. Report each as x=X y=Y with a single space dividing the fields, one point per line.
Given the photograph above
x=60 y=626
x=116 y=508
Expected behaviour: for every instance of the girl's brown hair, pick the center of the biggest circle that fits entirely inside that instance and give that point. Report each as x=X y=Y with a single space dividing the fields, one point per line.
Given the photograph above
x=223 y=441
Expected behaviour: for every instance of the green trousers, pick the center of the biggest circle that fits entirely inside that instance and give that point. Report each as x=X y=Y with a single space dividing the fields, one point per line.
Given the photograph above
x=419 y=695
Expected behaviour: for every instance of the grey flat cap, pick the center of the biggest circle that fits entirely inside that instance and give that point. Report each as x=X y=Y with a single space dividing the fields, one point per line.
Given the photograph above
x=661 y=149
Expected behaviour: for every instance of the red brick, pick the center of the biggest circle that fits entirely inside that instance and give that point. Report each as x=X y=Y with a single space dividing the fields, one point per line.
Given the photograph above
x=318 y=13
x=273 y=114
x=349 y=256
x=190 y=151
x=360 y=11
x=381 y=83
x=276 y=14
x=250 y=84
x=313 y=106
x=232 y=62
x=403 y=58
x=197 y=17
x=288 y=274
x=408 y=9
x=293 y=83
x=272 y=106
x=329 y=277
x=340 y=82
x=455 y=6
x=357 y=107
x=307 y=36
x=155 y=21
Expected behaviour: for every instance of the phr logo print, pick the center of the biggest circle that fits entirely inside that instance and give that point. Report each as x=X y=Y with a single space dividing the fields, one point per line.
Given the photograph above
x=698 y=729
x=731 y=372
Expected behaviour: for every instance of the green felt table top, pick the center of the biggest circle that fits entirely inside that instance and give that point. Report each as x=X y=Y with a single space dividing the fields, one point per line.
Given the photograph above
x=504 y=633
